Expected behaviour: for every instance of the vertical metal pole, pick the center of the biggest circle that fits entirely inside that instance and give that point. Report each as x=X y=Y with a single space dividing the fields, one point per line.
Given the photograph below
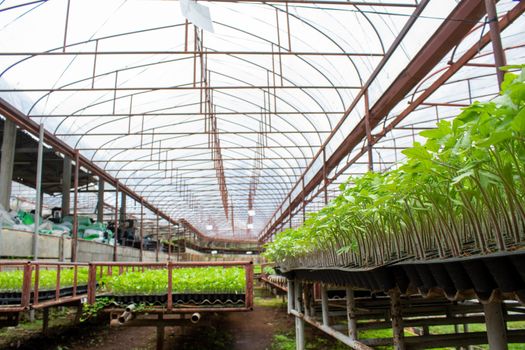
x=496 y=326
x=495 y=37
x=7 y=162
x=299 y=322
x=66 y=25
x=397 y=320
x=115 y=234
x=249 y=285
x=169 y=241
x=66 y=186
x=290 y=293
x=368 y=133
x=158 y=240
x=186 y=36
x=141 y=229
x=40 y=160
x=74 y=244
x=350 y=310
x=325 y=178
x=288 y=27
x=100 y=202
x=324 y=305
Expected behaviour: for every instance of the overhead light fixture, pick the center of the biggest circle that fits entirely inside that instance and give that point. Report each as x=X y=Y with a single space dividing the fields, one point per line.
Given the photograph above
x=209 y=227
x=213 y=252
x=251 y=212
x=249 y=226
x=249 y=252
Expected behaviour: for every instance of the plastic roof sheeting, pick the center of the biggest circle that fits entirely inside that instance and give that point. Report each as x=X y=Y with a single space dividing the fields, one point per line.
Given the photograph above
x=170 y=109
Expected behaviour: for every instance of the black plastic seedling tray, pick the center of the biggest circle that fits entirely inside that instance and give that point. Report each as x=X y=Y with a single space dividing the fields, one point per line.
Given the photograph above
x=185 y=299
x=15 y=298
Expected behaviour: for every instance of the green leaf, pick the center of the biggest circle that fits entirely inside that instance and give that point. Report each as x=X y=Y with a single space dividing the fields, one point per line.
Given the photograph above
x=518 y=123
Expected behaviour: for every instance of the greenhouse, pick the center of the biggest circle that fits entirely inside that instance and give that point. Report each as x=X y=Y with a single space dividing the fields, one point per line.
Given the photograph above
x=273 y=175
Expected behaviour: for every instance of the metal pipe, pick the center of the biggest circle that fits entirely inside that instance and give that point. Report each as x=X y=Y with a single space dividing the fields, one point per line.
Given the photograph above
x=289 y=293
x=38 y=201
x=195 y=318
x=158 y=241
x=115 y=234
x=125 y=317
x=324 y=305
x=299 y=321
x=74 y=243
x=495 y=37
x=141 y=229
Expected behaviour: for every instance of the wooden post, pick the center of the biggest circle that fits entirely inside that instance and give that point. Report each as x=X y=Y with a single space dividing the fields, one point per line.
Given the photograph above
x=160 y=334
x=350 y=310
x=45 y=321
x=397 y=320
x=496 y=326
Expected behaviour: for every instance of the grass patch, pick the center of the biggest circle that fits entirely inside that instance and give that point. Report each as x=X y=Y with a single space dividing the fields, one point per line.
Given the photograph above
x=286 y=341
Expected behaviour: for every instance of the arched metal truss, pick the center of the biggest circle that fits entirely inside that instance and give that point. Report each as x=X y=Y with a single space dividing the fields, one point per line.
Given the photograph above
x=268 y=114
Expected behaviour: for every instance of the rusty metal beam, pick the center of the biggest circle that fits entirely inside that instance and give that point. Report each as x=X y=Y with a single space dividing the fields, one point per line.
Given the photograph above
x=12 y=113
x=457 y=25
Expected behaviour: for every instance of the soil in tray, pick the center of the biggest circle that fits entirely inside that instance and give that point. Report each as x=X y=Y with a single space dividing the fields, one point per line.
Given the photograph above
x=197 y=299
x=15 y=298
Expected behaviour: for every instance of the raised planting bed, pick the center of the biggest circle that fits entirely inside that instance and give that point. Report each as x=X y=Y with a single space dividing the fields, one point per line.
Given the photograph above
x=11 y=284
x=190 y=286
x=460 y=193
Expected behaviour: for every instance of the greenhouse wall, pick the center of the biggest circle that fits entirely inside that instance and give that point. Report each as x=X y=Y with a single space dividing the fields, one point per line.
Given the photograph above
x=18 y=245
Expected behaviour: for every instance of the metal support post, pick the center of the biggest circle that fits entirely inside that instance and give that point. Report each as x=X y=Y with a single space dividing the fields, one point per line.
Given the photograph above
x=100 y=202
x=122 y=207
x=496 y=326
x=169 y=242
x=40 y=160
x=350 y=310
x=158 y=240
x=324 y=305
x=290 y=297
x=74 y=243
x=368 y=133
x=397 y=320
x=7 y=161
x=66 y=186
x=115 y=234
x=141 y=229
x=299 y=322
x=495 y=37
